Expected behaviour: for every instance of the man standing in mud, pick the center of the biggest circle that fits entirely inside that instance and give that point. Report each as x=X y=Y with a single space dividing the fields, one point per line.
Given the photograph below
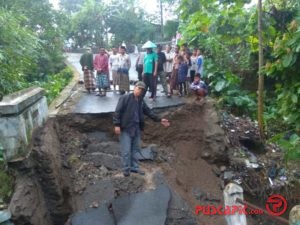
x=128 y=120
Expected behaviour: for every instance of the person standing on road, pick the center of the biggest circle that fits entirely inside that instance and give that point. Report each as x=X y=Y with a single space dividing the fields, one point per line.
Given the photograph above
x=168 y=66
x=124 y=64
x=174 y=74
x=128 y=120
x=86 y=62
x=150 y=68
x=182 y=75
x=101 y=66
x=160 y=70
x=114 y=65
x=139 y=65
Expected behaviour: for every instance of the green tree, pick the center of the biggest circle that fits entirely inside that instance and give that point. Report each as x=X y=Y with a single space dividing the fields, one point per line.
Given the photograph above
x=170 y=29
x=31 y=41
x=88 y=25
x=71 y=6
x=17 y=60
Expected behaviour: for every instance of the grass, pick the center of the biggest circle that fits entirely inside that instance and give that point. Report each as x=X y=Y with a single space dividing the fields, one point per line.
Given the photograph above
x=6 y=184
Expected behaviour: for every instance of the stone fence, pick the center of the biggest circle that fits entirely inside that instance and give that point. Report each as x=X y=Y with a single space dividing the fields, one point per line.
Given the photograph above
x=20 y=114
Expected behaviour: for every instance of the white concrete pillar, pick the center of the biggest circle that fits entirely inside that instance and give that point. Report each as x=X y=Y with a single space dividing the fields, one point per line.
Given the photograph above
x=234 y=212
x=294 y=217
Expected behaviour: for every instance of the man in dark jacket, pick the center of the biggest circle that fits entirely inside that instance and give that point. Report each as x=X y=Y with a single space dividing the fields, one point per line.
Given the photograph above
x=129 y=122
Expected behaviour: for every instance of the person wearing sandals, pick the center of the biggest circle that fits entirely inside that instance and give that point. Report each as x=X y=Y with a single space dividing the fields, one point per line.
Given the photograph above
x=86 y=62
x=101 y=66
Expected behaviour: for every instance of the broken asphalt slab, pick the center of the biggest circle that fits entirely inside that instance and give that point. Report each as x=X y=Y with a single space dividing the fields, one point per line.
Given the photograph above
x=94 y=216
x=92 y=104
x=148 y=208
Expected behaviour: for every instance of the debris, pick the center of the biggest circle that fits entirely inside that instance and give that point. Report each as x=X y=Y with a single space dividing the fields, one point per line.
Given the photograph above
x=228 y=175
x=272 y=171
x=148 y=153
x=222 y=168
x=283 y=178
x=216 y=171
x=5 y=215
x=297 y=174
x=271 y=182
x=94 y=205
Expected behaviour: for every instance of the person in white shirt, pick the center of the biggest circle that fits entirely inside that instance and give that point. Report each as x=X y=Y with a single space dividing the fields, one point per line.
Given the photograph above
x=114 y=65
x=168 y=66
x=124 y=64
x=139 y=65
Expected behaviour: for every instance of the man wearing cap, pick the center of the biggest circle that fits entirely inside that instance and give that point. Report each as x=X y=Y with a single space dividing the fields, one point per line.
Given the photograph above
x=128 y=120
x=86 y=62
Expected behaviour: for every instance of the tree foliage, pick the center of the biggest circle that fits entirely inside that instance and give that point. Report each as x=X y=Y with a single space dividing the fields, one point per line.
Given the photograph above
x=100 y=23
x=17 y=60
x=31 y=42
x=227 y=32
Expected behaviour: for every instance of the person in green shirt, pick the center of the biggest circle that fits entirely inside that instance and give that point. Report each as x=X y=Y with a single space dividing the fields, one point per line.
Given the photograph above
x=150 y=71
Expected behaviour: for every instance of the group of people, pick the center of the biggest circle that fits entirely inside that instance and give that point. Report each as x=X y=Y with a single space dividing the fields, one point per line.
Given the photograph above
x=177 y=70
x=119 y=62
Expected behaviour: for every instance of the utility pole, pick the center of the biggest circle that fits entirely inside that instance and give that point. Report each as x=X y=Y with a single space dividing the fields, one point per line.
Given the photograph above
x=161 y=20
x=260 y=103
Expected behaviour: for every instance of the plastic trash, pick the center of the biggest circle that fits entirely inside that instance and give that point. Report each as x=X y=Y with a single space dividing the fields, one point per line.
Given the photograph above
x=5 y=215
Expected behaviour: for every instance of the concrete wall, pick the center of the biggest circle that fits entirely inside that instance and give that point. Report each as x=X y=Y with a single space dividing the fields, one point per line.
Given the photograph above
x=20 y=114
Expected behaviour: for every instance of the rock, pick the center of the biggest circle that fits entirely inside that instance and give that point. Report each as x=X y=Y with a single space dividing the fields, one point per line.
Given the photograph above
x=205 y=155
x=297 y=174
x=228 y=175
x=198 y=193
x=148 y=153
x=103 y=171
x=222 y=168
x=92 y=216
x=111 y=162
x=216 y=170
x=210 y=197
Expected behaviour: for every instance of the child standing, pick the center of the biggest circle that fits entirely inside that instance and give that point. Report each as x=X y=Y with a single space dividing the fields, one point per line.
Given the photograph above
x=182 y=74
x=199 y=87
